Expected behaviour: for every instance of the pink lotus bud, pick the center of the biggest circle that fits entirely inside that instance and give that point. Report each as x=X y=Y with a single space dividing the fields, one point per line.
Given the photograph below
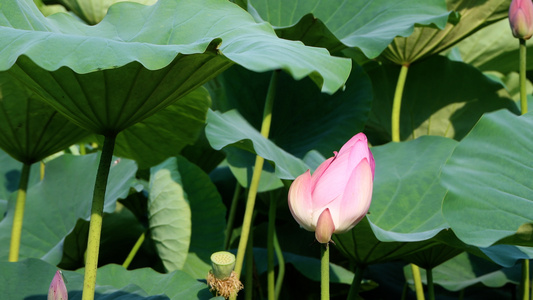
x=338 y=194
x=521 y=18
x=58 y=290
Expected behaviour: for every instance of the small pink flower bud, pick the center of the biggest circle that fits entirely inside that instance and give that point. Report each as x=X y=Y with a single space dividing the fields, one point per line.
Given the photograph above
x=338 y=194
x=58 y=290
x=521 y=18
x=324 y=227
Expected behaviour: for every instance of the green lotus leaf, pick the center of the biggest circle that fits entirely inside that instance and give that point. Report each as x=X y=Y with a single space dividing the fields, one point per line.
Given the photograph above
x=407 y=198
x=302 y=118
x=466 y=270
x=169 y=215
x=166 y=133
x=447 y=103
x=114 y=282
x=230 y=128
x=93 y=11
x=54 y=204
x=362 y=247
x=30 y=129
x=426 y=41
x=488 y=180
x=369 y=26
x=140 y=59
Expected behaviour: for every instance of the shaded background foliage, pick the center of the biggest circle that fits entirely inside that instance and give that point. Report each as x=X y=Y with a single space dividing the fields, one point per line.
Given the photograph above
x=454 y=196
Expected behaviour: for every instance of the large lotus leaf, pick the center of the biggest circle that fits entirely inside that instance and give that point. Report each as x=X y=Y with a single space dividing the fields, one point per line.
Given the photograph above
x=362 y=247
x=426 y=41
x=54 y=204
x=30 y=279
x=140 y=59
x=166 y=133
x=208 y=218
x=407 y=198
x=466 y=270
x=302 y=118
x=494 y=48
x=488 y=181
x=433 y=256
x=230 y=128
x=186 y=216
x=447 y=103
x=169 y=215
x=30 y=129
x=369 y=26
x=93 y=11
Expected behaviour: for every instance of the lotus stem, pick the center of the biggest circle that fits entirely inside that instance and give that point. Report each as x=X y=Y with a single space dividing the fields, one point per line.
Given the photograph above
x=97 y=211
x=134 y=250
x=418 y=282
x=523 y=95
x=231 y=216
x=256 y=175
x=431 y=286
x=324 y=279
x=271 y=278
x=356 y=283
x=16 y=230
x=281 y=265
x=525 y=279
x=397 y=103
x=249 y=287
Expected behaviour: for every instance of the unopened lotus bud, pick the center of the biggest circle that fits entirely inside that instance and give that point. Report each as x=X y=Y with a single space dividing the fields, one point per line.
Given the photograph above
x=521 y=18
x=58 y=290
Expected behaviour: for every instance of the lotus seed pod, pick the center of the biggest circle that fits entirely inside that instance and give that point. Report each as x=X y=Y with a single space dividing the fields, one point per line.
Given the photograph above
x=223 y=263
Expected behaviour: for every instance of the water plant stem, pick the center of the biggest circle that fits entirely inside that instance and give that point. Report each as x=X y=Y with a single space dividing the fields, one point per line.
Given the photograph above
x=97 y=211
x=134 y=250
x=431 y=287
x=16 y=230
x=419 y=289
x=281 y=265
x=324 y=281
x=356 y=283
x=525 y=279
x=249 y=287
x=397 y=103
x=231 y=216
x=271 y=278
x=522 y=59
x=256 y=175
x=523 y=110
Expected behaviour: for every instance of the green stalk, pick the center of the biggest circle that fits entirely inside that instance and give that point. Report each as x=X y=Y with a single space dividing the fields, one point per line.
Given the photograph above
x=97 y=211
x=523 y=95
x=271 y=279
x=134 y=251
x=525 y=279
x=256 y=175
x=431 y=288
x=281 y=265
x=356 y=283
x=324 y=281
x=231 y=216
x=249 y=280
x=16 y=230
x=418 y=282
x=395 y=119
x=523 y=108
x=397 y=103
